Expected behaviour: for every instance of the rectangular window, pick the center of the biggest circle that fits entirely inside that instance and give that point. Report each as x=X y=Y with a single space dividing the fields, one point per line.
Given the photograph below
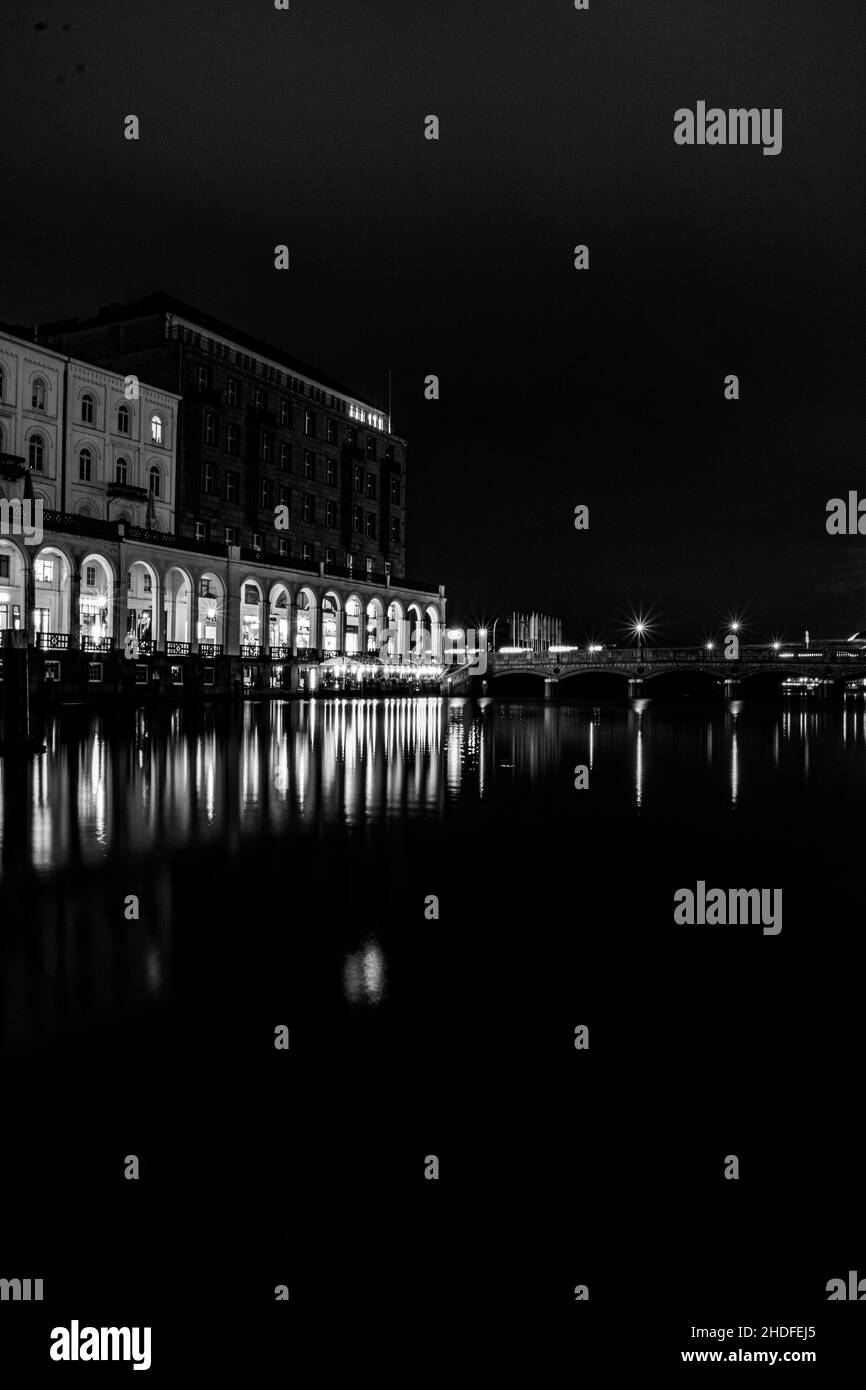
x=257 y=540
x=4 y=566
x=395 y=490
x=261 y=400
x=284 y=496
x=204 y=588
x=209 y=428
x=285 y=418
x=265 y=492
x=371 y=447
x=229 y=535
x=332 y=431
x=395 y=529
x=141 y=674
x=331 y=472
x=234 y=396
x=90 y=576
x=177 y=675
x=357 y=520
x=330 y=559
x=200 y=532
x=52 y=670
x=251 y=594
x=309 y=507
x=369 y=567
x=359 y=478
x=352 y=437
x=308 y=553
x=371 y=525
x=232 y=438
x=84 y=466
x=330 y=513
x=94 y=672
x=266 y=448
x=44 y=570
x=208 y=675
x=204 y=378
x=310 y=423
x=209 y=478
x=371 y=485
x=282 y=547
x=389 y=453
x=231 y=487
x=285 y=458
x=309 y=464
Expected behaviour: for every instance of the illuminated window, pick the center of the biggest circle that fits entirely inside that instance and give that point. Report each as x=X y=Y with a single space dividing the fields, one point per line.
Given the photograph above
x=37 y=395
x=156 y=429
x=44 y=571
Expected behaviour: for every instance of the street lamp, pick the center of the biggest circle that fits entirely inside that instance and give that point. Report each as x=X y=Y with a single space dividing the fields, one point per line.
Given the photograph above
x=639 y=629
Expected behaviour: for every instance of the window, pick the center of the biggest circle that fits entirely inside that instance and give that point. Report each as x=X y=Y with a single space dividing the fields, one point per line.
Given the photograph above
x=309 y=464
x=395 y=528
x=310 y=423
x=359 y=478
x=285 y=418
x=389 y=453
x=123 y=419
x=257 y=540
x=177 y=675
x=265 y=493
x=232 y=438
x=331 y=472
x=204 y=588
x=395 y=490
x=87 y=409
x=204 y=378
x=154 y=480
x=156 y=429
x=357 y=520
x=330 y=513
x=284 y=496
x=200 y=534
x=37 y=395
x=330 y=559
x=44 y=571
x=209 y=427
x=251 y=593
x=94 y=672
x=260 y=399
x=369 y=567
x=371 y=525
x=234 y=397
x=209 y=483
x=85 y=466
x=121 y=472
x=90 y=576
x=309 y=507
x=285 y=458
x=141 y=674
x=229 y=534
x=352 y=437
x=308 y=553
x=266 y=448
x=4 y=566
x=51 y=670
x=36 y=453
x=371 y=485
x=332 y=431
x=148 y=582
x=282 y=546
x=231 y=487
x=371 y=447
x=208 y=675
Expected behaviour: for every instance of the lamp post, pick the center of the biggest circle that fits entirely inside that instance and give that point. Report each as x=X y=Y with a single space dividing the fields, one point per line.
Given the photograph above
x=639 y=630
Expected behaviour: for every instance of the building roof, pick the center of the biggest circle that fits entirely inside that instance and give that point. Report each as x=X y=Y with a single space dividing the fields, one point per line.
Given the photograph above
x=161 y=303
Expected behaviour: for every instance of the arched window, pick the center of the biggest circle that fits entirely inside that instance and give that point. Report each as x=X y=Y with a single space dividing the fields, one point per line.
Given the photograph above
x=154 y=480
x=156 y=429
x=121 y=471
x=37 y=398
x=36 y=453
x=123 y=419
x=87 y=409
x=85 y=466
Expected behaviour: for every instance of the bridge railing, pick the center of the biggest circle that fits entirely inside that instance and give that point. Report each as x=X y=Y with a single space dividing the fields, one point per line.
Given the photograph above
x=751 y=655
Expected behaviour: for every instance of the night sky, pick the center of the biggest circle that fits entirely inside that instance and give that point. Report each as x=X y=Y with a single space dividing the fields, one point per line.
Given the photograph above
x=558 y=387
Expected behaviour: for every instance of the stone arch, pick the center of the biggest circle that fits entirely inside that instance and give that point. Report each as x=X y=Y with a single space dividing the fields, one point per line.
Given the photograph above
x=52 y=587
x=280 y=615
x=142 y=602
x=354 y=625
x=253 y=633
x=332 y=614
x=210 y=608
x=397 y=624
x=13 y=584
x=375 y=621
x=177 y=604
x=306 y=613
x=96 y=601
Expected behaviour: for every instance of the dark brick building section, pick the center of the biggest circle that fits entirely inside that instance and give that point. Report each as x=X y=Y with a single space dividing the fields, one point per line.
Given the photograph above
x=258 y=429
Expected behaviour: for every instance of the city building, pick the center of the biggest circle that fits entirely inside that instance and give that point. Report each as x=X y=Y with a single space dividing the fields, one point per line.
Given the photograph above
x=260 y=431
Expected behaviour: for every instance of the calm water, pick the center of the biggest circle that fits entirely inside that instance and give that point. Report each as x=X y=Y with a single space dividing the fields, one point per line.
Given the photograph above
x=282 y=856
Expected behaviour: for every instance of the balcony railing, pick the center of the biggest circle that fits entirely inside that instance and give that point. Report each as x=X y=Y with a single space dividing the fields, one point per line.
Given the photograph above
x=53 y=641
x=210 y=648
x=177 y=648
x=251 y=650
x=96 y=644
x=280 y=653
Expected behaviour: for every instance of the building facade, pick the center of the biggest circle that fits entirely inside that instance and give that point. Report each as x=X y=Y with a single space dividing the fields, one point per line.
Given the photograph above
x=273 y=456
x=95 y=444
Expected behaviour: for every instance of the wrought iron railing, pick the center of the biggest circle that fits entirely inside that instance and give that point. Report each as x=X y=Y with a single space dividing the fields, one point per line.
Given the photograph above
x=210 y=648
x=96 y=644
x=177 y=648
x=53 y=641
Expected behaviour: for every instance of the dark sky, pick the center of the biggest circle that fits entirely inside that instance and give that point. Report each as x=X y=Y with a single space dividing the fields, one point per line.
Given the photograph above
x=558 y=387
